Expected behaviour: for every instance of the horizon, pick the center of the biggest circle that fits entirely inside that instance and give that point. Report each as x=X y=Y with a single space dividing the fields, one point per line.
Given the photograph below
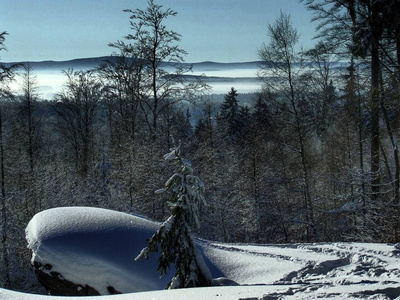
x=106 y=56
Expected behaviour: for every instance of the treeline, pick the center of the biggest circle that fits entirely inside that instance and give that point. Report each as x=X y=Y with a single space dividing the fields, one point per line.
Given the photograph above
x=313 y=158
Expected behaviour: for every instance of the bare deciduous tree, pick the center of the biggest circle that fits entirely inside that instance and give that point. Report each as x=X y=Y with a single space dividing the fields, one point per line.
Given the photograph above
x=282 y=67
x=6 y=76
x=77 y=110
x=157 y=50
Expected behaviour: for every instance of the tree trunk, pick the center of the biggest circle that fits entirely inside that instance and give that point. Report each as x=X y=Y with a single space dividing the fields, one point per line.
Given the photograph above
x=30 y=141
x=375 y=104
x=393 y=140
x=361 y=153
x=6 y=263
x=311 y=229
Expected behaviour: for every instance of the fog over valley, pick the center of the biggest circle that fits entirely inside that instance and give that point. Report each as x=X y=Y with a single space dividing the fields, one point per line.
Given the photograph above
x=219 y=76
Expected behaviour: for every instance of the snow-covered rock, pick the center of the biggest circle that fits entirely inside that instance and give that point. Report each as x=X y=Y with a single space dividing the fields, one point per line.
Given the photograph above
x=94 y=247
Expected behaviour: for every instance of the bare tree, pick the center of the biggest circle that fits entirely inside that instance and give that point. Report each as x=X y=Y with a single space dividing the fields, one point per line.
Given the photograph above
x=282 y=68
x=122 y=76
x=157 y=50
x=77 y=110
x=26 y=126
x=6 y=76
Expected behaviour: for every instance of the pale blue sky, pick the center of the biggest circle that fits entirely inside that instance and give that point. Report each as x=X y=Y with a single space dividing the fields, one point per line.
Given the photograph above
x=215 y=30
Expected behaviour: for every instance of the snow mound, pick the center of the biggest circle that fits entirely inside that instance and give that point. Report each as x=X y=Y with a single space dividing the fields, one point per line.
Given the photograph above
x=95 y=247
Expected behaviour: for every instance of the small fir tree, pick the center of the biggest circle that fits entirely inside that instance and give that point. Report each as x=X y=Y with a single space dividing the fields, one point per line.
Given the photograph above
x=230 y=116
x=175 y=236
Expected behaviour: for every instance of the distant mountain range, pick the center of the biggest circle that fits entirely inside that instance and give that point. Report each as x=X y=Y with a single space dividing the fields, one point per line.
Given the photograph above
x=93 y=62
x=90 y=63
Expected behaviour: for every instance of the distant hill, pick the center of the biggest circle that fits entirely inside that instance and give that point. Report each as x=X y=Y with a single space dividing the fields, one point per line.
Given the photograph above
x=78 y=64
x=93 y=62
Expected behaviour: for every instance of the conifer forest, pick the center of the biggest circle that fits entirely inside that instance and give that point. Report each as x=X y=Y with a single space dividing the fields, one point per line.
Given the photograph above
x=311 y=157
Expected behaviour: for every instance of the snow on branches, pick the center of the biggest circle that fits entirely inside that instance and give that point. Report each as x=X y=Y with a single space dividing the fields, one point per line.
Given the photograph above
x=175 y=238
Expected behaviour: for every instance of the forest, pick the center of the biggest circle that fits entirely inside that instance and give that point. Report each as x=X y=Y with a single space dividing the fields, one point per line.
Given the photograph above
x=313 y=158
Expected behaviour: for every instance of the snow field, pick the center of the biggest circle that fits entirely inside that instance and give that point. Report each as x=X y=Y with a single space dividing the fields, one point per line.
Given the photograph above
x=100 y=245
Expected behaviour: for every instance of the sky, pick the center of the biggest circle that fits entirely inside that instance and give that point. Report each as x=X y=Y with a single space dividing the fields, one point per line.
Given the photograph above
x=212 y=30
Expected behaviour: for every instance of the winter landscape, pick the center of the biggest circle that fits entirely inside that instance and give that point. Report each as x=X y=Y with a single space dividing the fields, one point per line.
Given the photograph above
x=132 y=173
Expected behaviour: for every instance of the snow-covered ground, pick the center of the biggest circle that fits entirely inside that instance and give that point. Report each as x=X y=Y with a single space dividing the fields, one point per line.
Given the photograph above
x=100 y=245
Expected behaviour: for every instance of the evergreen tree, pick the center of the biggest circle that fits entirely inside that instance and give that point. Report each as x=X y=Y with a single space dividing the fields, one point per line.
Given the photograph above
x=230 y=116
x=175 y=235
x=188 y=128
x=200 y=129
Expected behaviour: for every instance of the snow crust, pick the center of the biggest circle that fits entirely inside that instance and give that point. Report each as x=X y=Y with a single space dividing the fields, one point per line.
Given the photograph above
x=102 y=245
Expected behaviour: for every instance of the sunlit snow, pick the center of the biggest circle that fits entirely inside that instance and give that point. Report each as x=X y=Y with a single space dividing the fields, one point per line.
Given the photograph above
x=98 y=247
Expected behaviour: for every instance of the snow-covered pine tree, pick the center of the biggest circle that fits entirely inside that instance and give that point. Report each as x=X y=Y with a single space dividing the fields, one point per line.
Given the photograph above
x=175 y=236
